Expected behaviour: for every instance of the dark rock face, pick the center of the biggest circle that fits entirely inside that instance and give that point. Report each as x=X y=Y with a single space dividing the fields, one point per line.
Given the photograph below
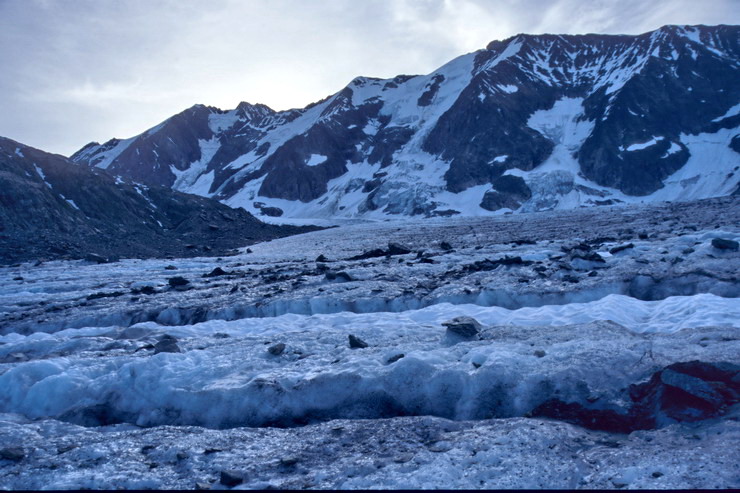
x=95 y=415
x=473 y=132
x=430 y=91
x=690 y=391
x=52 y=208
x=638 y=95
x=493 y=201
x=660 y=80
x=513 y=186
x=151 y=157
x=681 y=392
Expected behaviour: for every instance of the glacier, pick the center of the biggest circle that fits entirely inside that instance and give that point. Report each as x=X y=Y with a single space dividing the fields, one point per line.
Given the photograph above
x=115 y=376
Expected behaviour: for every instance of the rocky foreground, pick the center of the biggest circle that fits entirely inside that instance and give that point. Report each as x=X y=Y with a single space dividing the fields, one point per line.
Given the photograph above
x=589 y=349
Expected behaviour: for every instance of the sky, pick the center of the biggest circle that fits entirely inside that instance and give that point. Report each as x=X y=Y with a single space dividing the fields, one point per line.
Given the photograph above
x=76 y=71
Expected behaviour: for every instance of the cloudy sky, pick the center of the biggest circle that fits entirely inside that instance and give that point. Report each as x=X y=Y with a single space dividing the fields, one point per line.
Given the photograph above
x=74 y=71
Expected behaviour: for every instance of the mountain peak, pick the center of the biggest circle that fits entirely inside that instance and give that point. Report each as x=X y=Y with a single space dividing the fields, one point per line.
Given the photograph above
x=535 y=121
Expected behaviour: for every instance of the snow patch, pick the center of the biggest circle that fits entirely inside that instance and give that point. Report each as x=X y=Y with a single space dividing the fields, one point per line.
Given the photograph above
x=41 y=174
x=194 y=179
x=671 y=150
x=372 y=127
x=563 y=123
x=734 y=111
x=705 y=174
x=219 y=122
x=39 y=171
x=316 y=159
x=104 y=159
x=641 y=145
x=511 y=49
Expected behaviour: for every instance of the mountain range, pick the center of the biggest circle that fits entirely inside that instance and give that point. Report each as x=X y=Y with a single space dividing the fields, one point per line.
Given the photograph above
x=530 y=123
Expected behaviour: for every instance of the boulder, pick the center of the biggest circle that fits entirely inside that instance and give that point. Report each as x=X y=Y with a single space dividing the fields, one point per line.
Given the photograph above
x=340 y=276
x=397 y=249
x=167 y=344
x=356 y=342
x=620 y=248
x=277 y=349
x=488 y=264
x=723 y=244
x=271 y=211
x=376 y=252
x=146 y=290
x=465 y=327
x=395 y=358
x=14 y=454
x=178 y=282
x=95 y=258
x=231 y=478
x=218 y=271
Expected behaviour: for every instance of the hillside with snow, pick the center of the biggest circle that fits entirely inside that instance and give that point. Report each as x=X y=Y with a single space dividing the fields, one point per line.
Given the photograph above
x=51 y=208
x=531 y=123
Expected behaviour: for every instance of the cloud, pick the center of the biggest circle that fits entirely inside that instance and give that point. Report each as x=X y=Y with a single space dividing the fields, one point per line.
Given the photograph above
x=93 y=69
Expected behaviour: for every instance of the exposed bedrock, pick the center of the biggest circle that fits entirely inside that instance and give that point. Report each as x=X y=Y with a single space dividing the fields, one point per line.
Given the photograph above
x=681 y=392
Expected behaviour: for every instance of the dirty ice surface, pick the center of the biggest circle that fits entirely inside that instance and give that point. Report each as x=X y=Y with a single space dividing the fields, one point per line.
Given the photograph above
x=602 y=360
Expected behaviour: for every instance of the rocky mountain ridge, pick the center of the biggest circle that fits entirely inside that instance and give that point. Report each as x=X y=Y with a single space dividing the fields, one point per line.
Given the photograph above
x=534 y=122
x=53 y=208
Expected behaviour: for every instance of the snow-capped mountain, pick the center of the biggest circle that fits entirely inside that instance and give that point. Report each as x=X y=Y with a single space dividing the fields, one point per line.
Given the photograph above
x=534 y=122
x=52 y=208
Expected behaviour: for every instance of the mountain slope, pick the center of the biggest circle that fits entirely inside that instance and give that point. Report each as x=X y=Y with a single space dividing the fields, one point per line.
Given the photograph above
x=52 y=208
x=533 y=122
